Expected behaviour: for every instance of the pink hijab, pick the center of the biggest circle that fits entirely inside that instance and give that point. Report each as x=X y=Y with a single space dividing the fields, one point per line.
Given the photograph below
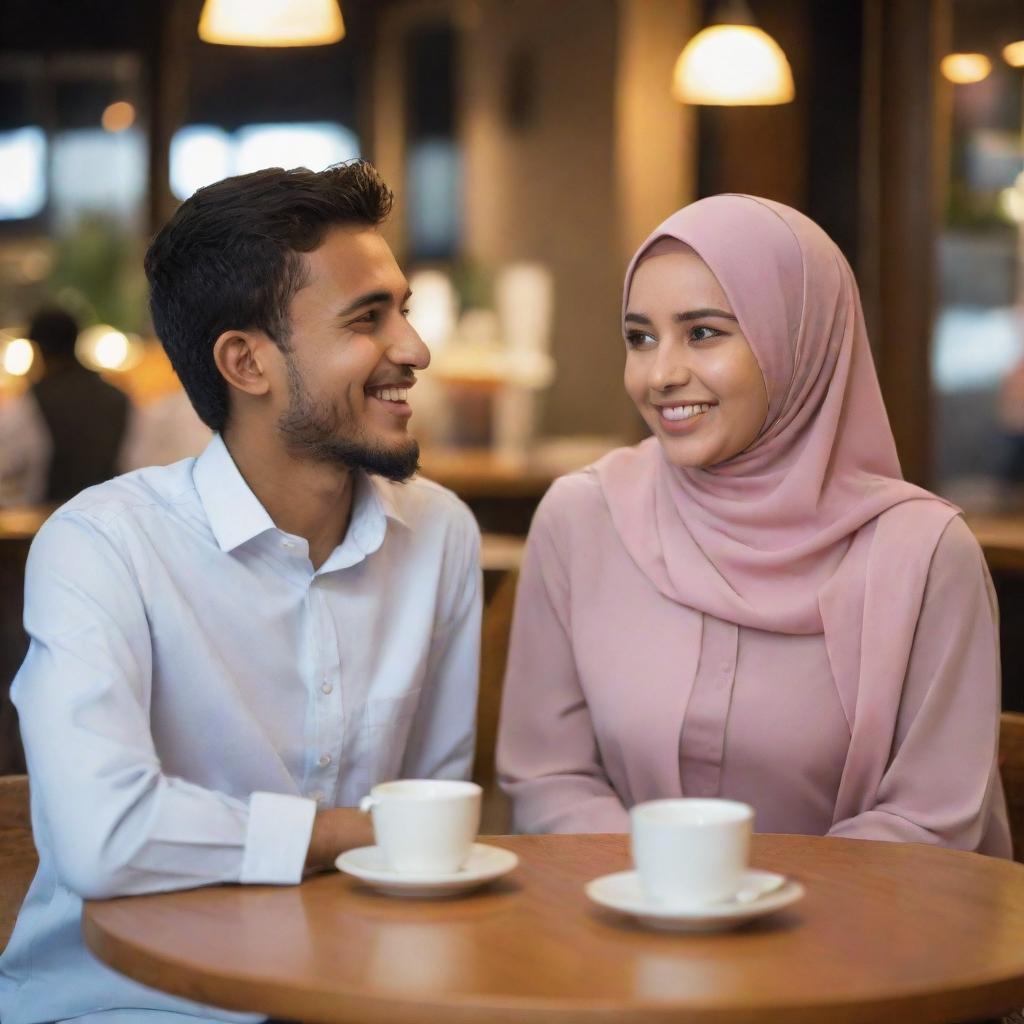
x=812 y=529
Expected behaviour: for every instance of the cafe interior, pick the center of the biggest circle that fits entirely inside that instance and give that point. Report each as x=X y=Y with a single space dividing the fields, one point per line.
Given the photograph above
x=532 y=145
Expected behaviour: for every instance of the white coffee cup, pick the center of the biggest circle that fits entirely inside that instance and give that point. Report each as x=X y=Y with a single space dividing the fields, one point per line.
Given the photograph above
x=424 y=826
x=690 y=851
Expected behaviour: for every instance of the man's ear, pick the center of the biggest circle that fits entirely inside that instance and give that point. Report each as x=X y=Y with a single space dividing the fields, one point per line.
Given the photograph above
x=241 y=357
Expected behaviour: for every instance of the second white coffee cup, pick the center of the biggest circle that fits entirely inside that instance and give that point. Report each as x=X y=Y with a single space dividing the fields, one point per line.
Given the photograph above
x=424 y=826
x=690 y=851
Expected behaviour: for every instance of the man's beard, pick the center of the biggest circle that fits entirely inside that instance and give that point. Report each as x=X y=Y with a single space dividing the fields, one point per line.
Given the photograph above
x=316 y=430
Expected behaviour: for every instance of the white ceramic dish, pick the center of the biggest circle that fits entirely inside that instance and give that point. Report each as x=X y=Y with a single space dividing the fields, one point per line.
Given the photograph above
x=485 y=863
x=621 y=892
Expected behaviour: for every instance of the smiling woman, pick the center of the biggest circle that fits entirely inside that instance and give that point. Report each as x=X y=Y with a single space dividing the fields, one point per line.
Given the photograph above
x=752 y=603
x=689 y=367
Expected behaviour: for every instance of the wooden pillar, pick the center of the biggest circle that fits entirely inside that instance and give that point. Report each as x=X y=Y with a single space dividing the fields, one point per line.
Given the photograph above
x=655 y=136
x=167 y=84
x=902 y=171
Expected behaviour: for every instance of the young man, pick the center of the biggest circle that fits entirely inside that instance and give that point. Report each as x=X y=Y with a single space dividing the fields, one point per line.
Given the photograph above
x=227 y=653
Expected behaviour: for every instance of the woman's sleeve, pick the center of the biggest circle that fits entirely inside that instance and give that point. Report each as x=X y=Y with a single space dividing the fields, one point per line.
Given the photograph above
x=941 y=785
x=548 y=759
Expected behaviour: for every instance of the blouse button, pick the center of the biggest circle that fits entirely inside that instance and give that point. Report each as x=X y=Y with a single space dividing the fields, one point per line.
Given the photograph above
x=325 y=760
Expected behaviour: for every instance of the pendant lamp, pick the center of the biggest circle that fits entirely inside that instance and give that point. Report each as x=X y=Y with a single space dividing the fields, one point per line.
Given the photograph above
x=271 y=22
x=732 y=62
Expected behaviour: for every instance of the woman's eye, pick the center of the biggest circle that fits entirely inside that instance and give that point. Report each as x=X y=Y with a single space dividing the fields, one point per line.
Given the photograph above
x=639 y=339
x=704 y=333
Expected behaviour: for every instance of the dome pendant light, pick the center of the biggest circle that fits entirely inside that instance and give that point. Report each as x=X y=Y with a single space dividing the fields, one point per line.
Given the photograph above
x=732 y=63
x=271 y=22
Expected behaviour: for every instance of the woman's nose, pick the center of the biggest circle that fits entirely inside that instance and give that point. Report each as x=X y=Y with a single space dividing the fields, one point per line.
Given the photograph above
x=669 y=369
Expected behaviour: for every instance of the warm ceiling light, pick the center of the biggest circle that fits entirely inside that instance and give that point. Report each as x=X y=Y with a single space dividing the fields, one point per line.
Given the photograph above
x=102 y=347
x=1011 y=204
x=732 y=63
x=1014 y=54
x=118 y=116
x=965 y=68
x=271 y=22
x=18 y=356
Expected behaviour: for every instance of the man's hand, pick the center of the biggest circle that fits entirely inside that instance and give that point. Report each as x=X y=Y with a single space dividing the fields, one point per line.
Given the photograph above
x=334 y=832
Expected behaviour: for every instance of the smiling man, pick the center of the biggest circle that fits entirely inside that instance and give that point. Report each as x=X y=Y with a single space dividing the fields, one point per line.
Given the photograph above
x=227 y=653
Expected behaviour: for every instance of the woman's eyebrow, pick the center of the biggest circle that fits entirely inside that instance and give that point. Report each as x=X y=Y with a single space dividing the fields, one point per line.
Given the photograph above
x=700 y=314
x=693 y=314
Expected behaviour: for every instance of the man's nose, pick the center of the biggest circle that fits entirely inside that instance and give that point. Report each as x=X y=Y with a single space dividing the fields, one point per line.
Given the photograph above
x=407 y=348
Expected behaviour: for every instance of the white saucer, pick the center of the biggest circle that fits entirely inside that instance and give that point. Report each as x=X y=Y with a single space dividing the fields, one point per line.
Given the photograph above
x=622 y=892
x=485 y=863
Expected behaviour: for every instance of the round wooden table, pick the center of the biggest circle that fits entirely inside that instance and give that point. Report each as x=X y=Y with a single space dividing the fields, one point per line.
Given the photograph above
x=887 y=932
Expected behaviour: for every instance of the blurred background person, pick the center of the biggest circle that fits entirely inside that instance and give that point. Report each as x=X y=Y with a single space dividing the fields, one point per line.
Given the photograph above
x=65 y=433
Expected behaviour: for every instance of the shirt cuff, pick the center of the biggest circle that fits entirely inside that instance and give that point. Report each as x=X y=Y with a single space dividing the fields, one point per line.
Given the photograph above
x=277 y=839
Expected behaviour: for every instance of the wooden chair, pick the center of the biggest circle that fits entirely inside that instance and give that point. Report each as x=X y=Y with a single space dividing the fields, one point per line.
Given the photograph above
x=1011 y=767
x=497 y=623
x=18 y=858
x=13 y=643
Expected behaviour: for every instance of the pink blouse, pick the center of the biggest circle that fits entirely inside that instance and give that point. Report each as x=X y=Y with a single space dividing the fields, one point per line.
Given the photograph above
x=600 y=713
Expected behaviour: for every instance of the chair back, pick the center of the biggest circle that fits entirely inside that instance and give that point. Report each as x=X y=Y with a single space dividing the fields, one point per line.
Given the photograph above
x=18 y=858
x=497 y=624
x=1011 y=767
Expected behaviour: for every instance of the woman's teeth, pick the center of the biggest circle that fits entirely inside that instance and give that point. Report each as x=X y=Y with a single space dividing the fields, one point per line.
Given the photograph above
x=683 y=412
x=392 y=394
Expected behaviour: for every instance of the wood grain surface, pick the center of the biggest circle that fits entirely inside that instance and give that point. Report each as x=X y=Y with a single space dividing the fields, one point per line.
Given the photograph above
x=887 y=933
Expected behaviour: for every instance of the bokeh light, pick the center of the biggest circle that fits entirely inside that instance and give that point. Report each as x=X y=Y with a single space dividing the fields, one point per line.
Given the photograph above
x=965 y=68
x=118 y=116
x=18 y=356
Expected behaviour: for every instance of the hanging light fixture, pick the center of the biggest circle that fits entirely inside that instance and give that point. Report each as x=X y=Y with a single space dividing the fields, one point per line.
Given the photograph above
x=271 y=22
x=732 y=63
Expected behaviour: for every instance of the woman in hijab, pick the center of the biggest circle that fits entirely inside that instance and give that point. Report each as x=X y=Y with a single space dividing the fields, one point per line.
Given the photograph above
x=752 y=603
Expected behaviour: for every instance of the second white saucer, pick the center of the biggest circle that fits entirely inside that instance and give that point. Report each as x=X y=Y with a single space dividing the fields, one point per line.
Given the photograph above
x=484 y=864
x=622 y=892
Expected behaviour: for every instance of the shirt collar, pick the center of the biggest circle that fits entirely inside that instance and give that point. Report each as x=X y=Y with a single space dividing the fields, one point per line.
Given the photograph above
x=234 y=512
x=236 y=515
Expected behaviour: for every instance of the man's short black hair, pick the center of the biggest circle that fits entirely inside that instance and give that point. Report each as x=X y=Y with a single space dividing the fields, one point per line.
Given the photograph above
x=55 y=331
x=231 y=259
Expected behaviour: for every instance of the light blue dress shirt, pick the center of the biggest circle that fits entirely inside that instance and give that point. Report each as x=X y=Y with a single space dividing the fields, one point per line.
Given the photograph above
x=194 y=690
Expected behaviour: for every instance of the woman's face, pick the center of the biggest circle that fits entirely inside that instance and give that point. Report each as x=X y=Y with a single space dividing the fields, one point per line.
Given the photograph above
x=689 y=369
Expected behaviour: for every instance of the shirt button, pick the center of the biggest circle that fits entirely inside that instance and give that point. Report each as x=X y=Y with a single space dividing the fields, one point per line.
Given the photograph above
x=287 y=543
x=325 y=760
x=317 y=796
x=327 y=688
